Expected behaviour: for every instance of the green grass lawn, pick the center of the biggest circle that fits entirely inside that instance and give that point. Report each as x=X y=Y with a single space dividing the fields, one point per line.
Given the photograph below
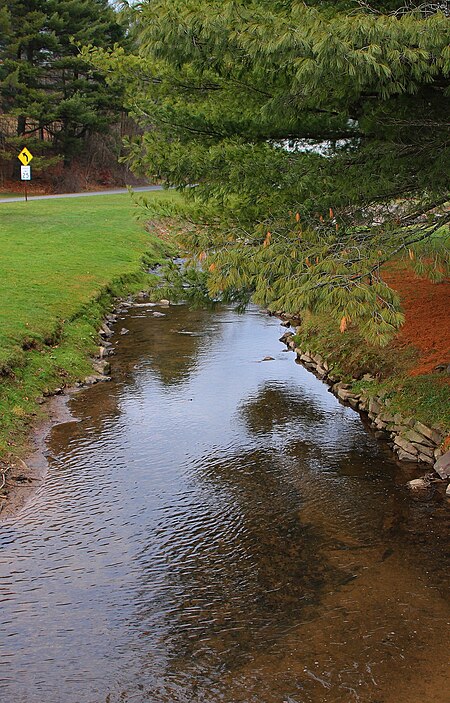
x=56 y=255
x=60 y=262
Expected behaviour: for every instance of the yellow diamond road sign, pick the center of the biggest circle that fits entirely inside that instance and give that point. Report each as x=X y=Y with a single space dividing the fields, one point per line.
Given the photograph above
x=25 y=156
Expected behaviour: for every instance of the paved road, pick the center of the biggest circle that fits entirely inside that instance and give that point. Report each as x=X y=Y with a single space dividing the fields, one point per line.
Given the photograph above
x=118 y=191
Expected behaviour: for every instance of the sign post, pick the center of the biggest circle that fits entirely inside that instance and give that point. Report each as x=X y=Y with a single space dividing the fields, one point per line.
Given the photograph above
x=25 y=157
x=25 y=175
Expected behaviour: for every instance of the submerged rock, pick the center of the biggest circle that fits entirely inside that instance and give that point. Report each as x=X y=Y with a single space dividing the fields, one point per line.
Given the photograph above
x=419 y=484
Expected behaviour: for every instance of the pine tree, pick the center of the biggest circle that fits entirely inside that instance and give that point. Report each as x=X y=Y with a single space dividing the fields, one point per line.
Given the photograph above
x=44 y=82
x=316 y=137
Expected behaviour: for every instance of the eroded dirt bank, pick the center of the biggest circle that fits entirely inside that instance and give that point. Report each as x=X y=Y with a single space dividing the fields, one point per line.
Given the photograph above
x=23 y=477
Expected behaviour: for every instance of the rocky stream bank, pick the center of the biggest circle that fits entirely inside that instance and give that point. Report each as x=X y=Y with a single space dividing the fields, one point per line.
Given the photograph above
x=410 y=440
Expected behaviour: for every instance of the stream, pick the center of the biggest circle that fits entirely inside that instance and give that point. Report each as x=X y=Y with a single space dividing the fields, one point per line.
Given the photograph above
x=218 y=528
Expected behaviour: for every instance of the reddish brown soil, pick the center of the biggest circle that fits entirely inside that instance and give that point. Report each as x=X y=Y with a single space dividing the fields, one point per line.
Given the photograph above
x=11 y=186
x=427 y=311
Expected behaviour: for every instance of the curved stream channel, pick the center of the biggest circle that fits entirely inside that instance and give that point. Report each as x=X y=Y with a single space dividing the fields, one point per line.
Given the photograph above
x=217 y=528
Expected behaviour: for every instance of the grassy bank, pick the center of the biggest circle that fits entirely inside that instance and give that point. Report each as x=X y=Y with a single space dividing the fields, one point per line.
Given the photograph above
x=61 y=262
x=424 y=396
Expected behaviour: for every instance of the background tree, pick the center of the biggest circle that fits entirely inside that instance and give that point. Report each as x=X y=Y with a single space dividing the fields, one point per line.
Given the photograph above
x=54 y=96
x=316 y=135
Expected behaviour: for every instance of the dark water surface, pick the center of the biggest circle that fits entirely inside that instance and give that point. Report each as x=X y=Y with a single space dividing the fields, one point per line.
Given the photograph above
x=214 y=528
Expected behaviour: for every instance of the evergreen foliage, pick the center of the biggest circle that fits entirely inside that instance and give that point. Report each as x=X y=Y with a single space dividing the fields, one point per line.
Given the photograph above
x=45 y=84
x=312 y=141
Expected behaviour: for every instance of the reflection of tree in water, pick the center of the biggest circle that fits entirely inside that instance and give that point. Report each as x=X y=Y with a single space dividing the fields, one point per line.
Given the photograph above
x=243 y=570
x=275 y=407
x=158 y=342
x=169 y=345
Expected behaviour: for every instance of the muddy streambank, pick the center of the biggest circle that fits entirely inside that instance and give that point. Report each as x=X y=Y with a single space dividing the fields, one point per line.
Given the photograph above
x=23 y=477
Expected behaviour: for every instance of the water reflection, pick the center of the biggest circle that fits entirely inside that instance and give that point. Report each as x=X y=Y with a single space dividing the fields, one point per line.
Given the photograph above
x=167 y=348
x=218 y=529
x=275 y=406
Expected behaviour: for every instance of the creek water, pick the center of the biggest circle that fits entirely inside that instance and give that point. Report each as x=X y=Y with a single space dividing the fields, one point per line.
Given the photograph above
x=218 y=528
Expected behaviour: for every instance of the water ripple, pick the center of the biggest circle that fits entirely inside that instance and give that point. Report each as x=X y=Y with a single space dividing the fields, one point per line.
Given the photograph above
x=216 y=529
